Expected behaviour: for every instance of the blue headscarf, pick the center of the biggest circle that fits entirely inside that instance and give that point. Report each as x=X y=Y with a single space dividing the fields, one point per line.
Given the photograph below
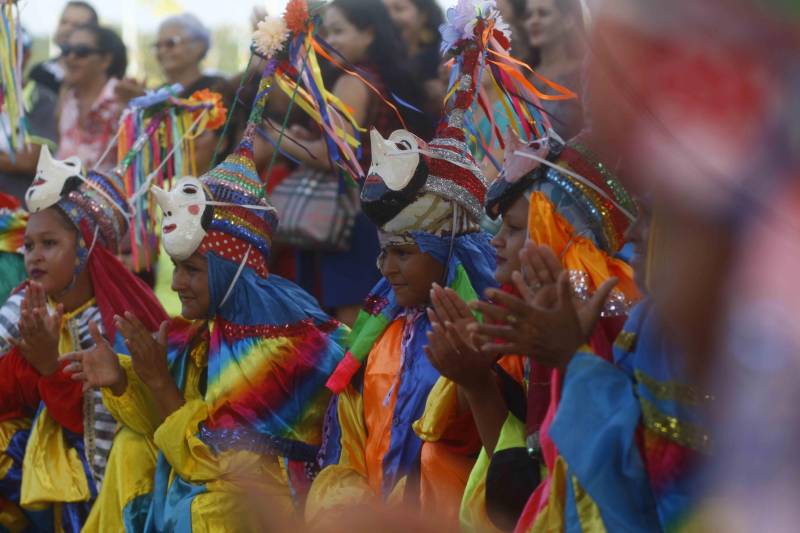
x=272 y=349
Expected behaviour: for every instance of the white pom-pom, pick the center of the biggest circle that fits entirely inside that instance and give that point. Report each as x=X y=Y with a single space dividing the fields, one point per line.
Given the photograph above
x=270 y=36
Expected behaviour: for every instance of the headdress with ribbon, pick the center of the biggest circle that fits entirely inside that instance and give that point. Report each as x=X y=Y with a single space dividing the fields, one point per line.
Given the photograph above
x=405 y=169
x=225 y=210
x=518 y=100
x=155 y=143
x=98 y=208
x=577 y=207
x=297 y=73
x=431 y=194
x=272 y=348
x=96 y=204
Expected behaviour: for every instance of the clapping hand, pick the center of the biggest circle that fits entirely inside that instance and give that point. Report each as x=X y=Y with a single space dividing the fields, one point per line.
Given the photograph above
x=546 y=322
x=452 y=349
x=149 y=361
x=39 y=330
x=97 y=366
x=148 y=354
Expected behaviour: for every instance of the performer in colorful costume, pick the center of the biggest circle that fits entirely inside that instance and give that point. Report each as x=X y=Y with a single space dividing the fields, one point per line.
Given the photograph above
x=56 y=438
x=487 y=385
x=577 y=207
x=640 y=413
x=645 y=415
x=396 y=431
x=239 y=403
x=723 y=288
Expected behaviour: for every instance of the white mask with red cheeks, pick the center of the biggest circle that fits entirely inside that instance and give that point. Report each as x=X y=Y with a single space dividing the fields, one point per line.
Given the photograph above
x=51 y=176
x=183 y=206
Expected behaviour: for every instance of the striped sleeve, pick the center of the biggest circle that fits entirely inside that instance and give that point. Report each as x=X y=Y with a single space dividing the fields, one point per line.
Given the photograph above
x=9 y=320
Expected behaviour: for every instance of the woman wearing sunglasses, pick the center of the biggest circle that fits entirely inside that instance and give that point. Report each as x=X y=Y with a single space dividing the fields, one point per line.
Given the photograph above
x=181 y=45
x=94 y=59
x=183 y=42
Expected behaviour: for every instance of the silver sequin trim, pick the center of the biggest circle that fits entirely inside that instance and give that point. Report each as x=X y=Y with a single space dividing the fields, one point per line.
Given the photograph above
x=456 y=193
x=456 y=119
x=448 y=141
x=616 y=304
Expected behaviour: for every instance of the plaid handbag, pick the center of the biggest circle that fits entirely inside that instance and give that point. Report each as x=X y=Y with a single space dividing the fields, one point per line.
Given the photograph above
x=316 y=211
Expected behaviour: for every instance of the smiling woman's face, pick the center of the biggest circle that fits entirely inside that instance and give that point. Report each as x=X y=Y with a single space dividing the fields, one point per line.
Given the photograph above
x=84 y=62
x=190 y=281
x=406 y=16
x=546 y=24
x=411 y=273
x=176 y=50
x=347 y=39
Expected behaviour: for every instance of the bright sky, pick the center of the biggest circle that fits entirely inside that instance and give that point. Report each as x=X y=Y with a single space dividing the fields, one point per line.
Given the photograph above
x=40 y=16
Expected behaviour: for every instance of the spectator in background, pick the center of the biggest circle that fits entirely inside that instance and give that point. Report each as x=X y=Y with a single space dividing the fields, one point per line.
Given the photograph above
x=362 y=31
x=181 y=45
x=183 y=42
x=418 y=22
x=513 y=13
x=95 y=60
x=76 y=14
x=556 y=34
x=17 y=171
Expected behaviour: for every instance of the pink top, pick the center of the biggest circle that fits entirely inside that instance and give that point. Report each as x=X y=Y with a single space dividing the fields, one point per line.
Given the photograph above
x=88 y=140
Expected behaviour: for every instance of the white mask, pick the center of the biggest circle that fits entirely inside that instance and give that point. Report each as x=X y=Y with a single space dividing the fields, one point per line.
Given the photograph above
x=51 y=175
x=183 y=206
x=394 y=159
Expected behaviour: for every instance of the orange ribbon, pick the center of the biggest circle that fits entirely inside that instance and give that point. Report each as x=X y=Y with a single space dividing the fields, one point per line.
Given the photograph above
x=566 y=94
x=321 y=51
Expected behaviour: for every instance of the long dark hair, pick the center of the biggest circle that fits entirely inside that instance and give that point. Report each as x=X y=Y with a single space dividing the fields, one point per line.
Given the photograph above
x=108 y=42
x=519 y=7
x=387 y=56
x=433 y=17
x=576 y=40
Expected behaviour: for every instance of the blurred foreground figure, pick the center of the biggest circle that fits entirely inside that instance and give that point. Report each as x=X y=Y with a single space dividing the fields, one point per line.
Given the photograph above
x=700 y=102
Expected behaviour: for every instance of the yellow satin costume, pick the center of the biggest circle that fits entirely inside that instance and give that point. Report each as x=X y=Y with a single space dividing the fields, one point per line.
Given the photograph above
x=58 y=472
x=226 y=482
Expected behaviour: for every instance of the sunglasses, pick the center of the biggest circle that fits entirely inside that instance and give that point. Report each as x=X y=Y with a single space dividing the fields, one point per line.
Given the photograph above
x=168 y=44
x=81 y=51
